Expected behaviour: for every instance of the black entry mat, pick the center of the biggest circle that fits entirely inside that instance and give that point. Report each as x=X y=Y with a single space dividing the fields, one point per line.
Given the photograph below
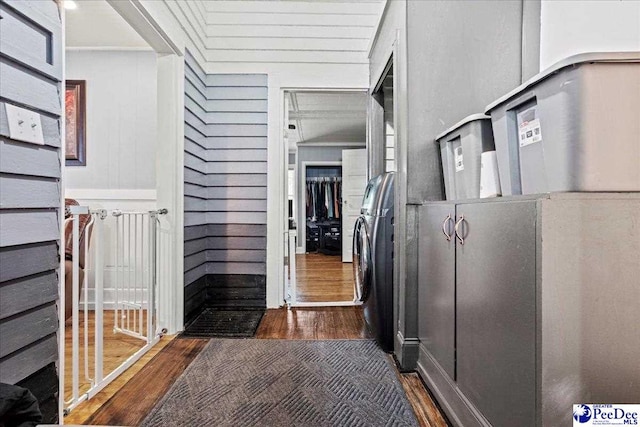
x=225 y=323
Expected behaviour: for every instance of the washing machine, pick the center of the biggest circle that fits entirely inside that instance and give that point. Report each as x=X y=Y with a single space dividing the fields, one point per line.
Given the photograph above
x=373 y=258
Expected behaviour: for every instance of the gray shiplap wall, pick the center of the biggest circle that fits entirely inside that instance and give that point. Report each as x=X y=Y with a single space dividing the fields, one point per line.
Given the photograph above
x=225 y=176
x=30 y=76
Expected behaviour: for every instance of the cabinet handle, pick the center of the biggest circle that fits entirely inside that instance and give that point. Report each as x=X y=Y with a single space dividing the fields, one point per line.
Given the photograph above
x=444 y=227
x=458 y=230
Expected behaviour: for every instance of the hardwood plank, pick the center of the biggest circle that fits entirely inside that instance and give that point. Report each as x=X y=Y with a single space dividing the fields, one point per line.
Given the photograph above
x=323 y=278
x=424 y=407
x=131 y=404
x=86 y=409
x=314 y=323
x=140 y=391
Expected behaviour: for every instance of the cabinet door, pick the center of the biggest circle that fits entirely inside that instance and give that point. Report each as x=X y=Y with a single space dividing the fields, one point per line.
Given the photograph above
x=495 y=302
x=436 y=282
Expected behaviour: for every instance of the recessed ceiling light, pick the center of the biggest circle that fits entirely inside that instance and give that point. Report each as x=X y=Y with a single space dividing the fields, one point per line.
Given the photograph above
x=70 y=4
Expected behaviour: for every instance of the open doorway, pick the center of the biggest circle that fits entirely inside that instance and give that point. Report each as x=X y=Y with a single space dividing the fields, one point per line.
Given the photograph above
x=326 y=137
x=113 y=232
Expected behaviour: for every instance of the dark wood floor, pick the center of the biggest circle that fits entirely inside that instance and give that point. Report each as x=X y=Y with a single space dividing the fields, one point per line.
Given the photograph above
x=131 y=404
x=314 y=324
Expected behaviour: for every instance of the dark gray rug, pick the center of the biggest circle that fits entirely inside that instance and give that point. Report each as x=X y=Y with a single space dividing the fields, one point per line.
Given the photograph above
x=286 y=383
x=224 y=323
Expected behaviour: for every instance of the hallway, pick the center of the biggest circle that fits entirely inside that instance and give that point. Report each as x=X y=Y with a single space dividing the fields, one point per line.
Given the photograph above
x=135 y=399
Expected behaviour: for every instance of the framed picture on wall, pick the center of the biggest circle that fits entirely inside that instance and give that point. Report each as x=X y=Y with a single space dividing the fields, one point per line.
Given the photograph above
x=75 y=120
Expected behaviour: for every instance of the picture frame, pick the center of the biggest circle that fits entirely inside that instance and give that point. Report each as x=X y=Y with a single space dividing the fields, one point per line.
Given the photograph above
x=75 y=123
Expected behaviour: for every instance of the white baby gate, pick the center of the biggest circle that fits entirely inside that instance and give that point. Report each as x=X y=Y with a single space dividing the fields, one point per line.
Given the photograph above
x=133 y=240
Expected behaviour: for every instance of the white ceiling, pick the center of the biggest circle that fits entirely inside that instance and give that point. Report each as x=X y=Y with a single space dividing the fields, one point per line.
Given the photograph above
x=327 y=117
x=96 y=24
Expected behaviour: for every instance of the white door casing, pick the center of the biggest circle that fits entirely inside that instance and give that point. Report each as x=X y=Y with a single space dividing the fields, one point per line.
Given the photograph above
x=354 y=182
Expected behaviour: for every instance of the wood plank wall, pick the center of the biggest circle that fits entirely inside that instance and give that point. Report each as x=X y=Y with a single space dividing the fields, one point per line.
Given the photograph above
x=30 y=76
x=225 y=187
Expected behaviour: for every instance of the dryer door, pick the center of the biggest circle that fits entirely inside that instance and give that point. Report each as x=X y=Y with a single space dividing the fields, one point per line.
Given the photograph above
x=362 y=267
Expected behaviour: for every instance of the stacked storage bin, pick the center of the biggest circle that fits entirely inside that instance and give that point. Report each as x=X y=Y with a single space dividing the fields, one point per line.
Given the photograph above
x=573 y=127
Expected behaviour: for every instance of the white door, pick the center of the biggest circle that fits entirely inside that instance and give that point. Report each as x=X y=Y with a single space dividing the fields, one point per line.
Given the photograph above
x=354 y=182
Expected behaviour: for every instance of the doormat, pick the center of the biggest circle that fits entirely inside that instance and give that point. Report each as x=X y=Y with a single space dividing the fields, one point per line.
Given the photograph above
x=224 y=323
x=286 y=383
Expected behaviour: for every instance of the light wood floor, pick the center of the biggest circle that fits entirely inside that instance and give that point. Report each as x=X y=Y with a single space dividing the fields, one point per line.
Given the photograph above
x=131 y=403
x=117 y=348
x=323 y=278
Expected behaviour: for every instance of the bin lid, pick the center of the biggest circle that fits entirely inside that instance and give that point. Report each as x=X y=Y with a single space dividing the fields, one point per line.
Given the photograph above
x=581 y=58
x=468 y=119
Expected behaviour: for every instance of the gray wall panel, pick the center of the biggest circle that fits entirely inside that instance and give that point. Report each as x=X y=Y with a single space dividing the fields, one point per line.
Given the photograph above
x=20 y=364
x=225 y=192
x=234 y=255
x=28 y=192
x=23 y=41
x=27 y=260
x=237 y=180
x=50 y=128
x=193 y=134
x=237 y=154
x=224 y=180
x=20 y=331
x=224 y=243
x=231 y=117
x=225 y=174
x=30 y=77
x=195 y=232
x=42 y=10
x=236 y=268
x=237 y=80
x=237 y=130
x=192 y=204
x=225 y=230
x=249 y=230
x=28 y=159
x=194 y=274
x=194 y=260
x=28 y=226
x=236 y=167
x=202 y=218
x=245 y=105
x=236 y=92
x=237 y=217
x=28 y=88
x=23 y=294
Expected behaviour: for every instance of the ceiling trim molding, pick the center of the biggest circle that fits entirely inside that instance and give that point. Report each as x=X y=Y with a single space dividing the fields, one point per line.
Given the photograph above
x=331 y=144
x=110 y=48
x=327 y=114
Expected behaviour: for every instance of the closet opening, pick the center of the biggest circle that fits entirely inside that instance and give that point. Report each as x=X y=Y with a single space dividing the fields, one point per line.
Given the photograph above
x=327 y=166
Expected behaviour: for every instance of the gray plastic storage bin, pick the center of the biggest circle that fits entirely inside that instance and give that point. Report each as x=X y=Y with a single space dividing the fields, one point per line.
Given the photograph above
x=573 y=127
x=461 y=147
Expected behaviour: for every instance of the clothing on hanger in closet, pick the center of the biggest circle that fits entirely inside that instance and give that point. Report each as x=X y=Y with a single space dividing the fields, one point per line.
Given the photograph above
x=323 y=198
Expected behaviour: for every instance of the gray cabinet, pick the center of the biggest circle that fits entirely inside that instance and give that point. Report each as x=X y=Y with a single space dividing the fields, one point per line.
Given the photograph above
x=530 y=307
x=495 y=303
x=437 y=301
